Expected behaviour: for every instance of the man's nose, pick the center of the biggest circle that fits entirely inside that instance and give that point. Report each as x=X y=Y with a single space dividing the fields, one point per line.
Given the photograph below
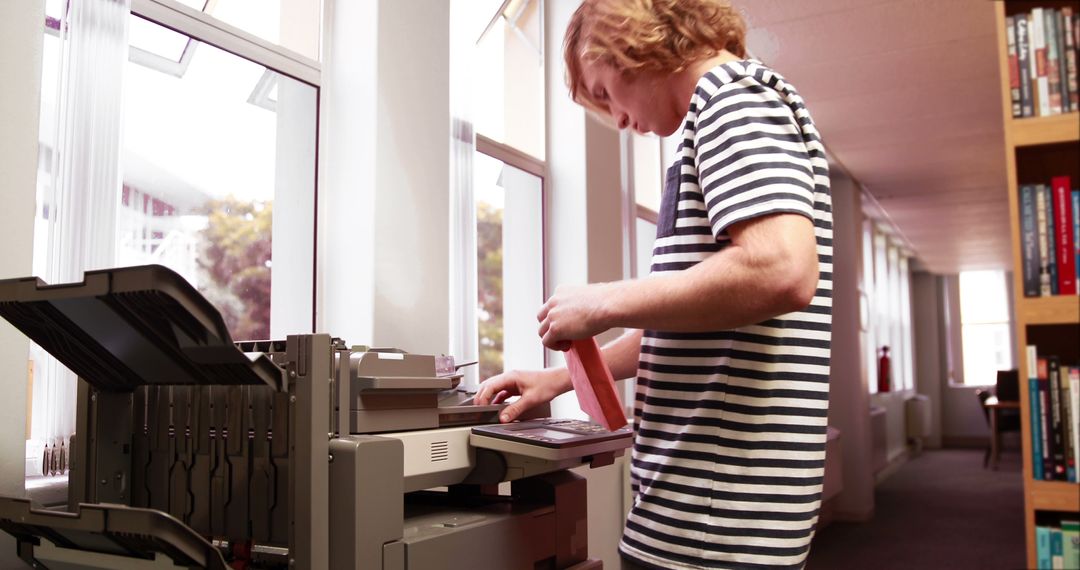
x=623 y=120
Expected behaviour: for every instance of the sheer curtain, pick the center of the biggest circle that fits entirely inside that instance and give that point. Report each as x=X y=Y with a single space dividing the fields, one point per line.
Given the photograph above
x=463 y=292
x=84 y=196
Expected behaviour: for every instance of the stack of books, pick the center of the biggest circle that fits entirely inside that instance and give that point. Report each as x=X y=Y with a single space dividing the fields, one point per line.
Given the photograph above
x=1050 y=237
x=1057 y=542
x=1054 y=390
x=1042 y=47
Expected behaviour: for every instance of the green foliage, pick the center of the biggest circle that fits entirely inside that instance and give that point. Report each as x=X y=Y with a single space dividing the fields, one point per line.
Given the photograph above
x=489 y=265
x=236 y=263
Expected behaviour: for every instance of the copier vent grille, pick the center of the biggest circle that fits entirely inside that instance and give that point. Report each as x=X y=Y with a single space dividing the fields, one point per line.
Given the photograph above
x=440 y=451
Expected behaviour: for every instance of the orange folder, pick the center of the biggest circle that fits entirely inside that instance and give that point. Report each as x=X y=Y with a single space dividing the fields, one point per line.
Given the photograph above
x=594 y=385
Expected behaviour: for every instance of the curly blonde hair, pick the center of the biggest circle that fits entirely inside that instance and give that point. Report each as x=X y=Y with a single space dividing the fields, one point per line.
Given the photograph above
x=636 y=36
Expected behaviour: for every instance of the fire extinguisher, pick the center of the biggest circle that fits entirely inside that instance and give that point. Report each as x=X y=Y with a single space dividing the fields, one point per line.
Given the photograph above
x=884 y=376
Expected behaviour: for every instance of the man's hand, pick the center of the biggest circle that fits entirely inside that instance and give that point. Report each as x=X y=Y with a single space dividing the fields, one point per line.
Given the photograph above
x=535 y=387
x=574 y=312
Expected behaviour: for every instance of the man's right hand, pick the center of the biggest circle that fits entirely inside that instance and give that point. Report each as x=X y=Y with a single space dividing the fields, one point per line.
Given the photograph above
x=534 y=386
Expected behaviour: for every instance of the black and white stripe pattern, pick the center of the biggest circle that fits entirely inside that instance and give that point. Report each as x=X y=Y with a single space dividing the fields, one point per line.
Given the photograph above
x=729 y=452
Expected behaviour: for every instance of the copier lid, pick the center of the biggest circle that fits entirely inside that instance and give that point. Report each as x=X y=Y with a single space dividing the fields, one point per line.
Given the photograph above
x=126 y=327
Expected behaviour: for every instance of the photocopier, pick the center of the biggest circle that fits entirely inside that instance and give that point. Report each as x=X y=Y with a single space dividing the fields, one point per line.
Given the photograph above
x=194 y=451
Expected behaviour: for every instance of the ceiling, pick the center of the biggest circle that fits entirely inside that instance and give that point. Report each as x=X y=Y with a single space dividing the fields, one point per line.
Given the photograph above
x=906 y=96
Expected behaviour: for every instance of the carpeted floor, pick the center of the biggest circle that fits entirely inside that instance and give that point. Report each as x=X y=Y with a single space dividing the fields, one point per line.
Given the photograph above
x=939 y=510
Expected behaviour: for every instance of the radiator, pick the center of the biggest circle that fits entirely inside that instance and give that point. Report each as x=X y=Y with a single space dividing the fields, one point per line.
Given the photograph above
x=917 y=410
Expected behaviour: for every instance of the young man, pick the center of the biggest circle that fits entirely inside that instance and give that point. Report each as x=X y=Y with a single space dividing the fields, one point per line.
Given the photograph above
x=731 y=330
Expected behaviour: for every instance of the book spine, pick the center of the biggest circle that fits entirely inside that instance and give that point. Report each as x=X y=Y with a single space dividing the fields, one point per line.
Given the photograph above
x=1014 y=66
x=1070 y=537
x=1029 y=241
x=1074 y=412
x=1057 y=444
x=1051 y=240
x=1067 y=17
x=1063 y=235
x=1044 y=253
x=1035 y=418
x=1053 y=70
x=1057 y=549
x=1044 y=421
x=1060 y=30
x=1042 y=547
x=1067 y=426
x=1042 y=85
x=1023 y=49
x=1076 y=232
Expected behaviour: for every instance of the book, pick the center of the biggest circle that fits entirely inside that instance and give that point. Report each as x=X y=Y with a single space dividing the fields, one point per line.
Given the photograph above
x=1070 y=538
x=1070 y=59
x=1057 y=549
x=1044 y=420
x=1042 y=85
x=1051 y=239
x=1067 y=425
x=1074 y=413
x=1036 y=416
x=1023 y=49
x=594 y=384
x=1044 y=244
x=1014 y=66
x=1042 y=547
x=1076 y=226
x=1051 y=27
x=1065 y=249
x=1057 y=443
x=1029 y=241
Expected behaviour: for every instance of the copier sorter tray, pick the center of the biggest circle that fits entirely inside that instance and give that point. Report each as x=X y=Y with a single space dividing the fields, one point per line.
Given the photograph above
x=126 y=327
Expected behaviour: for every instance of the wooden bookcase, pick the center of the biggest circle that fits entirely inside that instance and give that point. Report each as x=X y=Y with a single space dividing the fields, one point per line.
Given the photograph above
x=1035 y=150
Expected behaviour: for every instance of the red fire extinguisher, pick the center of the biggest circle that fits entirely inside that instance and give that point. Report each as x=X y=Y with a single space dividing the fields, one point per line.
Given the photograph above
x=884 y=375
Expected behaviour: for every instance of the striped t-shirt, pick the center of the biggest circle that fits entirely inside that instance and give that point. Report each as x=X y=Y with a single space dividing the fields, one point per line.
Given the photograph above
x=729 y=449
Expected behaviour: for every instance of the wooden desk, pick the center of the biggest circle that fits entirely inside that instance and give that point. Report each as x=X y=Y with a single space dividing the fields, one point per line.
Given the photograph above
x=993 y=405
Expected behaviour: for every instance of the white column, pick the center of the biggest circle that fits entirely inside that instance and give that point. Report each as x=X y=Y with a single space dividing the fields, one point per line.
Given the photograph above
x=21 y=28
x=385 y=172
x=345 y=278
x=584 y=244
x=849 y=398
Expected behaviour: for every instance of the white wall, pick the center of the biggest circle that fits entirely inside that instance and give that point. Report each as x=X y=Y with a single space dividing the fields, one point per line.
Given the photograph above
x=21 y=29
x=345 y=281
x=848 y=391
x=929 y=364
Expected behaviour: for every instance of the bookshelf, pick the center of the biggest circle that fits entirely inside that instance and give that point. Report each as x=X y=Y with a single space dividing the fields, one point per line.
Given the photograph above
x=1037 y=148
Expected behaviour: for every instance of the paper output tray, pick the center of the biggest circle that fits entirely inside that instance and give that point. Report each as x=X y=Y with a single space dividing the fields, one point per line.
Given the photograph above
x=126 y=327
x=114 y=530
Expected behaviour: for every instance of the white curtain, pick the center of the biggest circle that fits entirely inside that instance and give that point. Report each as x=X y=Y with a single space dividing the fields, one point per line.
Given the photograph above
x=84 y=198
x=463 y=292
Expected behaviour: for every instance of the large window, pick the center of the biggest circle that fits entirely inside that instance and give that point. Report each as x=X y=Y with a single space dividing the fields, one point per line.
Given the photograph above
x=218 y=171
x=984 y=314
x=887 y=299
x=497 y=77
x=507 y=79
x=510 y=265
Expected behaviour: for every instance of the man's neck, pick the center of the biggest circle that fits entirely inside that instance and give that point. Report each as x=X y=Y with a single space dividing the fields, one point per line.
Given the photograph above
x=685 y=81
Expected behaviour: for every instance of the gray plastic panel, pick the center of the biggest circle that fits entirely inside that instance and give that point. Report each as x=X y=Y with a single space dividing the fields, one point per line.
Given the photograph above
x=110 y=529
x=131 y=326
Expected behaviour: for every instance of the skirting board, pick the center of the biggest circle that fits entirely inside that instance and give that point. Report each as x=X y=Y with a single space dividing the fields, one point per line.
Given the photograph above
x=895 y=464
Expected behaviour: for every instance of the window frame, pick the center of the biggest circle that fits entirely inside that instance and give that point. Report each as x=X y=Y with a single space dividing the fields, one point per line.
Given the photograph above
x=525 y=162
